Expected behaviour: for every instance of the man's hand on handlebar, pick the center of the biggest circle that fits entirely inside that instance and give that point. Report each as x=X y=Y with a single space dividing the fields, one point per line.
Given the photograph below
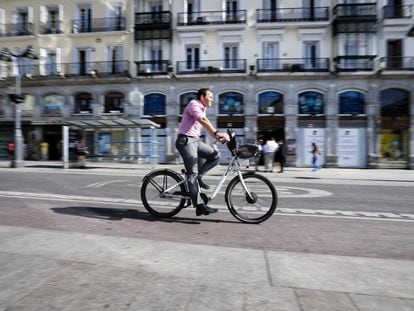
x=222 y=137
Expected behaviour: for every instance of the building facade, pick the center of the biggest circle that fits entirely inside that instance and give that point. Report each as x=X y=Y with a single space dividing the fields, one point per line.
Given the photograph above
x=338 y=73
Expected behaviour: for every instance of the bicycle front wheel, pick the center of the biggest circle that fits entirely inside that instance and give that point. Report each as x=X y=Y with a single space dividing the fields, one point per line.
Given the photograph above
x=254 y=206
x=155 y=197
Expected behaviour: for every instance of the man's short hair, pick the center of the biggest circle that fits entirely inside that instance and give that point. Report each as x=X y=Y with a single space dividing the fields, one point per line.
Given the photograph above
x=202 y=92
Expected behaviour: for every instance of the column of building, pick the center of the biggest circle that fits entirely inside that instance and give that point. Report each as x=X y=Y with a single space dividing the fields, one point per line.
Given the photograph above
x=331 y=155
x=291 y=126
x=373 y=111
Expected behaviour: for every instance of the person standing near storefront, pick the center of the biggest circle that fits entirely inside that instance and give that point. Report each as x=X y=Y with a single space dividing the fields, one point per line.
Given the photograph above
x=269 y=150
x=44 y=151
x=10 y=149
x=280 y=156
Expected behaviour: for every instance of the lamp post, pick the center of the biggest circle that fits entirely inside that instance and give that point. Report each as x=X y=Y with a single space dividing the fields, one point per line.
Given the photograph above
x=17 y=98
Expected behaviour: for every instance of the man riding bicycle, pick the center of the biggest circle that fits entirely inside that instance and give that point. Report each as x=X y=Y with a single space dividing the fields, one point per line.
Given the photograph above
x=198 y=157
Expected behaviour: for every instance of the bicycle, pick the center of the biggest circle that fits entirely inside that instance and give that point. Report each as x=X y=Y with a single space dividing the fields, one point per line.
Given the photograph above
x=250 y=197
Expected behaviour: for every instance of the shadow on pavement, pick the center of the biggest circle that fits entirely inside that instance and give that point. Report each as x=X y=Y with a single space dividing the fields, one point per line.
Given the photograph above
x=119 y=214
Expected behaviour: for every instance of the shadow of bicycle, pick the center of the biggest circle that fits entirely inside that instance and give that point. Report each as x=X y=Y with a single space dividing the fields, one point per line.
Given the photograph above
x=117 y=214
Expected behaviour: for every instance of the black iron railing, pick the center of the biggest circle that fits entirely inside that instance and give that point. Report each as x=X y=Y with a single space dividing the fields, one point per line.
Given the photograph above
x=212 y=66
x=292 y=64
x=51 y=28
x=64 y=70
x=153 y=20
x=292 y=15
x=212 y=17
x=355 y=63
x=98 y=25
x=149 y=67
x=16 y=30
x=397 y=63
x=398 y=11
x=356 y=10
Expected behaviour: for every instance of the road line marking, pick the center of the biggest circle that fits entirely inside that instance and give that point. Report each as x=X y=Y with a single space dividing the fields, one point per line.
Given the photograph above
x=281 y=211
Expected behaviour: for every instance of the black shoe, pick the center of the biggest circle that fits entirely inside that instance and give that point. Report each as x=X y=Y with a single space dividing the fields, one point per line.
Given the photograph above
x=203 y=209
x=203 y=184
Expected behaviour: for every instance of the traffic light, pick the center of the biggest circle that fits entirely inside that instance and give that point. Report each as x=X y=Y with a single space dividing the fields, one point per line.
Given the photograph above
x=16 y=98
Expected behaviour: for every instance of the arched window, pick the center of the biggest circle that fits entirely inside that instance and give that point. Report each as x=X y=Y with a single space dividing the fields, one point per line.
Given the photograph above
x=270 y=103
x=185 y=99
x=83 y=103
x=114 y=102
x=53 y=104
x=154 y=104
x=351 y=102
x=231 y=103
x=311 y=103
x=394 y=103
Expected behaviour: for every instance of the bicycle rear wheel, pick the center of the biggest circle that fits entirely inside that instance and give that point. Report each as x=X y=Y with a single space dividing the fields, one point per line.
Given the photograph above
x=259 y=206
x=155 y=198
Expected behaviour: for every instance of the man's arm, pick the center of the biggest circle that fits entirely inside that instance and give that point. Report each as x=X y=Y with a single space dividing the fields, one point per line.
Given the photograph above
x=205 y=122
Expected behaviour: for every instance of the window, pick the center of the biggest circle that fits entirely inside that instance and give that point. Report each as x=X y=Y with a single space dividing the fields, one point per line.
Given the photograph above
x=231 y=57
x=83 y=103
x=115 y=59
x=395 y=102
x=270 y=103
x=53 y=104
x=114 y=102
x=231 y=103
x=351 y=102
x=311 y=103
x=154 y=104
x=270 y=56
x=193 y=58
x=185 y=99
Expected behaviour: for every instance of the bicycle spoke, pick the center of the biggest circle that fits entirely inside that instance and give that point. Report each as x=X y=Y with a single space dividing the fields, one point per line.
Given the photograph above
x=257 y=207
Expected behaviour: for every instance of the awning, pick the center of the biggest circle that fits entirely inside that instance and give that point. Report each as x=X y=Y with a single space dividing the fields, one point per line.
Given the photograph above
x=113 y=123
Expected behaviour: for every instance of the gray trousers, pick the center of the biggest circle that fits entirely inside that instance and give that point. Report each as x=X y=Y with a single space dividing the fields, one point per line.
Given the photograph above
x=198 y=159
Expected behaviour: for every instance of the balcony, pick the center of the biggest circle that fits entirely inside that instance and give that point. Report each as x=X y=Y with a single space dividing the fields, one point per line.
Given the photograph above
x=355 y=18
x=292 y=65
x=153 y=25
x=355 y=63
x=356 y=10
x=398 y=11
x=16 y=30
x=69 y=70
x=98 y=25
x=292 y=15
x=151 y=68
x=397 y=63
x=212 y=66
x=51 y=28
x=212 y=18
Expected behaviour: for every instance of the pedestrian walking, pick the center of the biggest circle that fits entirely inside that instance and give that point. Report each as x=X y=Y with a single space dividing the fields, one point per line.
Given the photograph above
x=315 y=156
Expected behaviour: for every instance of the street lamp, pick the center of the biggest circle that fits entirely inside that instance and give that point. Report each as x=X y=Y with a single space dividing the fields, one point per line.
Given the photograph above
x=17 y=98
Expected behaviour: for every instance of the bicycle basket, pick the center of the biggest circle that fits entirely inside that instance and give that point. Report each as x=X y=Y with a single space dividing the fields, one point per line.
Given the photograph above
x=247 y=151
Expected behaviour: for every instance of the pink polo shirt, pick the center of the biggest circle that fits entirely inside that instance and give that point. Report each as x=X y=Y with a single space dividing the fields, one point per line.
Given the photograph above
x=190 y=123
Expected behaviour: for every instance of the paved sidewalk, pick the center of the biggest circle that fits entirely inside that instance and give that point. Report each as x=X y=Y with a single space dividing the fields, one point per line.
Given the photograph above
x=54 y=270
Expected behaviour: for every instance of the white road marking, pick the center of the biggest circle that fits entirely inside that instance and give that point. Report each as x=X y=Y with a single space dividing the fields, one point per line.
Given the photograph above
x=105 y=183
x=363 y=215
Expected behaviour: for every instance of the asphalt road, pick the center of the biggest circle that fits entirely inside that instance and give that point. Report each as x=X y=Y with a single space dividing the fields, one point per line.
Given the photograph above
x=359 y=217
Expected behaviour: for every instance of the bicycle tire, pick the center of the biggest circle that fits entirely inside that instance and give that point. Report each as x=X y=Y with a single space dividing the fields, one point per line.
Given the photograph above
x=163 y=205
x=257 y=208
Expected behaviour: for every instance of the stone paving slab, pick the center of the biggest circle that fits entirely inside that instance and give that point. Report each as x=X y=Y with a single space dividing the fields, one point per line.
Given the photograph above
x=55 y=270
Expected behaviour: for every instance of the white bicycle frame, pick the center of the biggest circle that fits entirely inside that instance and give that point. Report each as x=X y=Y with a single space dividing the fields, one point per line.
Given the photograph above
x=234 y=166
